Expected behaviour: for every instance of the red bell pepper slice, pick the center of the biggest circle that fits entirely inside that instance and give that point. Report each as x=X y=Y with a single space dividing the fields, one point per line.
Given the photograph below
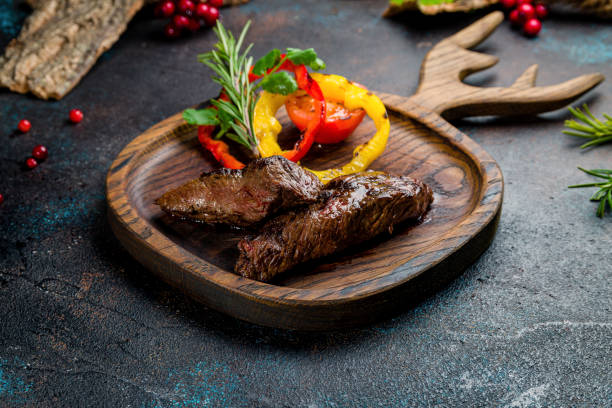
x=316 y=121
x=218 y=148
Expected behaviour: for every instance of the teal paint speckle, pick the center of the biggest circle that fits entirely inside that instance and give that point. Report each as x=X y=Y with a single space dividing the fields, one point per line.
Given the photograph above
x=13 y=389
x=583 y=48
x=206 y=384
x=11 y=18
x=43 y=217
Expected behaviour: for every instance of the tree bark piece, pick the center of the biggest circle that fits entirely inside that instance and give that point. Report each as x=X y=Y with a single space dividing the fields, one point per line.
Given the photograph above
x=60 y=42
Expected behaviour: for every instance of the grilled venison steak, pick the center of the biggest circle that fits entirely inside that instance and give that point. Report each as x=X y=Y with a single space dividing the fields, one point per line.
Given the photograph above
x=243 y=197
x=350 y=210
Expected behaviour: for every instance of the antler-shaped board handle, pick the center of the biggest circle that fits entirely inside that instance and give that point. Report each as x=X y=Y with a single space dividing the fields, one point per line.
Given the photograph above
x=441 y=88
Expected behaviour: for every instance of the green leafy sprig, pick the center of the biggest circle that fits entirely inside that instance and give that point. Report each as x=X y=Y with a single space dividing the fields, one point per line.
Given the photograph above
x=232 y=67
x=591 y=128
x=604 y=194
x=281 y=82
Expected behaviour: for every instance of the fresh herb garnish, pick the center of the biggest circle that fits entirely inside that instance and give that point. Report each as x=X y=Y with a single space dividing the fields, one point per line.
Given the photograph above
x=591 y=128
x=604 y=194
x=235 y=116
x=281 y=82
x=201 y=116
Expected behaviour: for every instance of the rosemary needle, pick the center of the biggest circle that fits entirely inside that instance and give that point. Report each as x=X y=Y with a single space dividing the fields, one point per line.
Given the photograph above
x=604 y=194
x=589 y=127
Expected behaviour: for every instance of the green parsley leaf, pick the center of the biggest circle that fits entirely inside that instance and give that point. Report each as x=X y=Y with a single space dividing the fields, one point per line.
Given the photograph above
x=306 y=57
x=279 y=83
x=201 y=117
x=318 y=64
x=267 y=62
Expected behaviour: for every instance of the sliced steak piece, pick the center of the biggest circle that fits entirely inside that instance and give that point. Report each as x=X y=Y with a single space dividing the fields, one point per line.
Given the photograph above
x=350 y=210
x=243 y=197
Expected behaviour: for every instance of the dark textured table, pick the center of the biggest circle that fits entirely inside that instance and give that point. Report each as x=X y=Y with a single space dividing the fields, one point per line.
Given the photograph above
x=82 y=324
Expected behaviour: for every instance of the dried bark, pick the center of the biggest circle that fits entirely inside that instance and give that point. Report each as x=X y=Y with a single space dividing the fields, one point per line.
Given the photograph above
x=60 y=41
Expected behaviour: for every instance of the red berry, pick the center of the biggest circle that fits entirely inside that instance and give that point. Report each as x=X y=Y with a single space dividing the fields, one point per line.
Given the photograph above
x=186 y=7
x=519 y=2
x=1 y=198
x=194 y=25
x=541 y=11
x=24 y=125
x=215 y=3
x=212 y=16
x=508 y=4
x=167 y=8
x=202 y=10
x=532 y=27
x=31 y=163
x=76 y=115
x=180 y=21
x=172 y=31
x=525 y=12
x=40 y=152
x=515 y=20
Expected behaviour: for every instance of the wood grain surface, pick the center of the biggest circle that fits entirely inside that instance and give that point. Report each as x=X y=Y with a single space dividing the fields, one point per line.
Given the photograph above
x=369 y=281
x=343 y=290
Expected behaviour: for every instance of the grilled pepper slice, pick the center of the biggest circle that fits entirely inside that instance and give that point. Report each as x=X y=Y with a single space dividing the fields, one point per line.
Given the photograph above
x=353 y=97
x=267 y=126
x=218 y=148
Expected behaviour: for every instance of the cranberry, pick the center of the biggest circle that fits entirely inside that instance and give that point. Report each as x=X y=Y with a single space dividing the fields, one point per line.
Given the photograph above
x=172 y=31
x=212 y=16
x=194 y=25
x=180 y=21
x=31 y=163
x=202 y=10
x=508 y=4
x=24 y=125
x=186 y=7
x=541 y=11
x=216 y=3
x=525 y=12
x=75 y=115
x=40 y=152
x=515 y=20
x=519 y=2
x=167 y=8
x=1 y=198
x=532 y=27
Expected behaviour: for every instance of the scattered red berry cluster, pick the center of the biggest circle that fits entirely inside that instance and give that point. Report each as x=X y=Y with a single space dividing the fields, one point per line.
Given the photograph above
x=526 y=15
x=40 y=152
x=187 y=15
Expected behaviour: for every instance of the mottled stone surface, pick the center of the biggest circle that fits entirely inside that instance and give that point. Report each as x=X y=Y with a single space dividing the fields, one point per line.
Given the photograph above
x=82 y=324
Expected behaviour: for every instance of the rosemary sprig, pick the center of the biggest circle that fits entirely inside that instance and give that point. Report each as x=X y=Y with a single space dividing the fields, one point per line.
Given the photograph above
x=232 y=67
x=604 y=194
x=591 y=128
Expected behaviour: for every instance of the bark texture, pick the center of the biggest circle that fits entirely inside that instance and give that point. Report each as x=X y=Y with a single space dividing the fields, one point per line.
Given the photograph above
x=60 y=41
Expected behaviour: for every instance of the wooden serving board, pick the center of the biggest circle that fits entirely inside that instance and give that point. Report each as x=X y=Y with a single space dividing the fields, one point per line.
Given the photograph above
x=356 y=286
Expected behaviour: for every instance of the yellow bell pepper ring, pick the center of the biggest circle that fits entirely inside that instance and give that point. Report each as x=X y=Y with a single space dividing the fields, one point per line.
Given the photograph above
x=336 y=88
x=339 y=88
x=266 y=126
